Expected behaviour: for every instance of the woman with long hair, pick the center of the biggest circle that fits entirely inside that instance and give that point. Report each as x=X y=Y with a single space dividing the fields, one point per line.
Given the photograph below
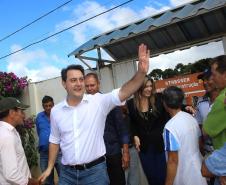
x=148 y=118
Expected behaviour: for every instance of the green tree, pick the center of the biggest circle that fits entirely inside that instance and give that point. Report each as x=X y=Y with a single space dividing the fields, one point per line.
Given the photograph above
x=200 y=65
x=179 y=67
x=156 y=74
x=169 y=73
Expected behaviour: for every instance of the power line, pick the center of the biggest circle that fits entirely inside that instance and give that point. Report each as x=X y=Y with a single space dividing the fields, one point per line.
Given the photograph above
x=23 y=27
x=90 y=12
x=34 y=43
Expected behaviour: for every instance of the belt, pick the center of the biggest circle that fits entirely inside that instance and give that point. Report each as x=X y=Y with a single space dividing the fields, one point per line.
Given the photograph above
x=88 y=165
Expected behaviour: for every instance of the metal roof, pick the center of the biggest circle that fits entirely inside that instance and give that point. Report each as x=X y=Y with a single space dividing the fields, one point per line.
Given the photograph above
x=195 y=23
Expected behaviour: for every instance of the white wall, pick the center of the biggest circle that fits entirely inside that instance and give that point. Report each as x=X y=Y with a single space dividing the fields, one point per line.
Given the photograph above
x=122 y=72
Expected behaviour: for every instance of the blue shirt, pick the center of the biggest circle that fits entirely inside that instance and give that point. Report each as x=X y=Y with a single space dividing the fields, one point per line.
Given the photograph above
x=216 y=162
x=43 y=129
x=116 y=132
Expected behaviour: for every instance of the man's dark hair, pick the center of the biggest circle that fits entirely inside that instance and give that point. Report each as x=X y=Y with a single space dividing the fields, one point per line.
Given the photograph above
x=221 y=63
x=71 y=67
x=173 y=97
x=94 y=75
x=47 y=99
x=4 y=114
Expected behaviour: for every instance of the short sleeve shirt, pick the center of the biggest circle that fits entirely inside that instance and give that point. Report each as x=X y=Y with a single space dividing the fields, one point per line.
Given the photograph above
x=170 y=141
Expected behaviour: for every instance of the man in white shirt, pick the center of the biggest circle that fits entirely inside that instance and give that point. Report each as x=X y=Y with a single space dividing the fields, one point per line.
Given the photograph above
x=77 y=125
x=14 y=169
x=181 y=138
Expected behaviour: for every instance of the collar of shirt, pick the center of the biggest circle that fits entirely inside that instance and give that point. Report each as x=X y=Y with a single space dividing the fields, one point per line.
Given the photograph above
x=7 y=125
x=84 y=99
x=43 y=114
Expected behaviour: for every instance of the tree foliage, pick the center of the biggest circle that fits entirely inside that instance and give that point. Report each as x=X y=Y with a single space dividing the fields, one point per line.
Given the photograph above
x=180 y=69
x=156 y=74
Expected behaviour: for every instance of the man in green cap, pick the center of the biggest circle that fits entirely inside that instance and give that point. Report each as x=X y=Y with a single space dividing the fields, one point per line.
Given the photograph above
x=13 y=164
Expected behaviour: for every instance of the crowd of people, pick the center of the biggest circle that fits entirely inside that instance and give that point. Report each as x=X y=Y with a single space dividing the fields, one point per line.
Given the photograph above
x=92 y=138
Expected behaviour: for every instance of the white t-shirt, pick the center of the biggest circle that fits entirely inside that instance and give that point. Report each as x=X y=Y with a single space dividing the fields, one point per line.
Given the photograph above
x=202 y=110
x=185 y=131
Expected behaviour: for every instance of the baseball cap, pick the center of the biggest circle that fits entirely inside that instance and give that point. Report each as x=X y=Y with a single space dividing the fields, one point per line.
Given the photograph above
x=205 y=74
x=8 y=103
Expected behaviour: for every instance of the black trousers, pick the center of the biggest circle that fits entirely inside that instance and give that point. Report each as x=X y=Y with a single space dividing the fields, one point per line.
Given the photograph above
x=115 y=171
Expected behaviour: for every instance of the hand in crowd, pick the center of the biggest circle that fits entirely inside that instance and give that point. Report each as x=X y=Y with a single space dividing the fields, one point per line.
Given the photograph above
x=44 y=175
x=143 y=57
x=190 y=109
x=32 y=181
x=137 y=143
x=125 y=160
x=223 y=180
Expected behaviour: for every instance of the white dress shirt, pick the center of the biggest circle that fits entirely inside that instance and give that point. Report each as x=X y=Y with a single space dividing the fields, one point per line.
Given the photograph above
x=14 y=169
x=79 y=129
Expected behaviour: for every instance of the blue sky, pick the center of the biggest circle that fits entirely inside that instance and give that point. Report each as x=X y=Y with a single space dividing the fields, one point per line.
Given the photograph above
x=45 y=60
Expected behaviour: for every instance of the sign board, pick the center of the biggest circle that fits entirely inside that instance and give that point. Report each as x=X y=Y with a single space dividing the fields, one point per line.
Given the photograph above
x=189 y=83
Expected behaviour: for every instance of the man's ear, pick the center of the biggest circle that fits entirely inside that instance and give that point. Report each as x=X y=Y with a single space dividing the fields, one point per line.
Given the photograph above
x=11 y=112
x=64 y=84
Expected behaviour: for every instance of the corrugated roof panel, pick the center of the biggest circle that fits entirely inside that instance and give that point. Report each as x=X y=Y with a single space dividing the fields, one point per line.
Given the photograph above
x=144 y=26
x=148 y=40
x=102 y=40
x=161 y=38
x=185 y=12
x=85 y=47
x=116 y=49
x=126 y=32
x=130 y=46
x=192 y=29
x=113 y=37
x=215 y=23
x=196 y=9
x=176 y=33
x=209 y=4
x=164 y=19
x=190 y=22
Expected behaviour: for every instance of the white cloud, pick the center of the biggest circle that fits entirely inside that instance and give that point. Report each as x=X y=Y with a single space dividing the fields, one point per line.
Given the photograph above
x=44 y=73
x=20 y=64
x=149 y=10
x=106 y=22
x=186 y=56
x=123 y=16
x=18 y=61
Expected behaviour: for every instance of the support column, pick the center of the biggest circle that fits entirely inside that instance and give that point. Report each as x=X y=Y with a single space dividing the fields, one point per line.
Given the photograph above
x=33 y=99
x=224 y=44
